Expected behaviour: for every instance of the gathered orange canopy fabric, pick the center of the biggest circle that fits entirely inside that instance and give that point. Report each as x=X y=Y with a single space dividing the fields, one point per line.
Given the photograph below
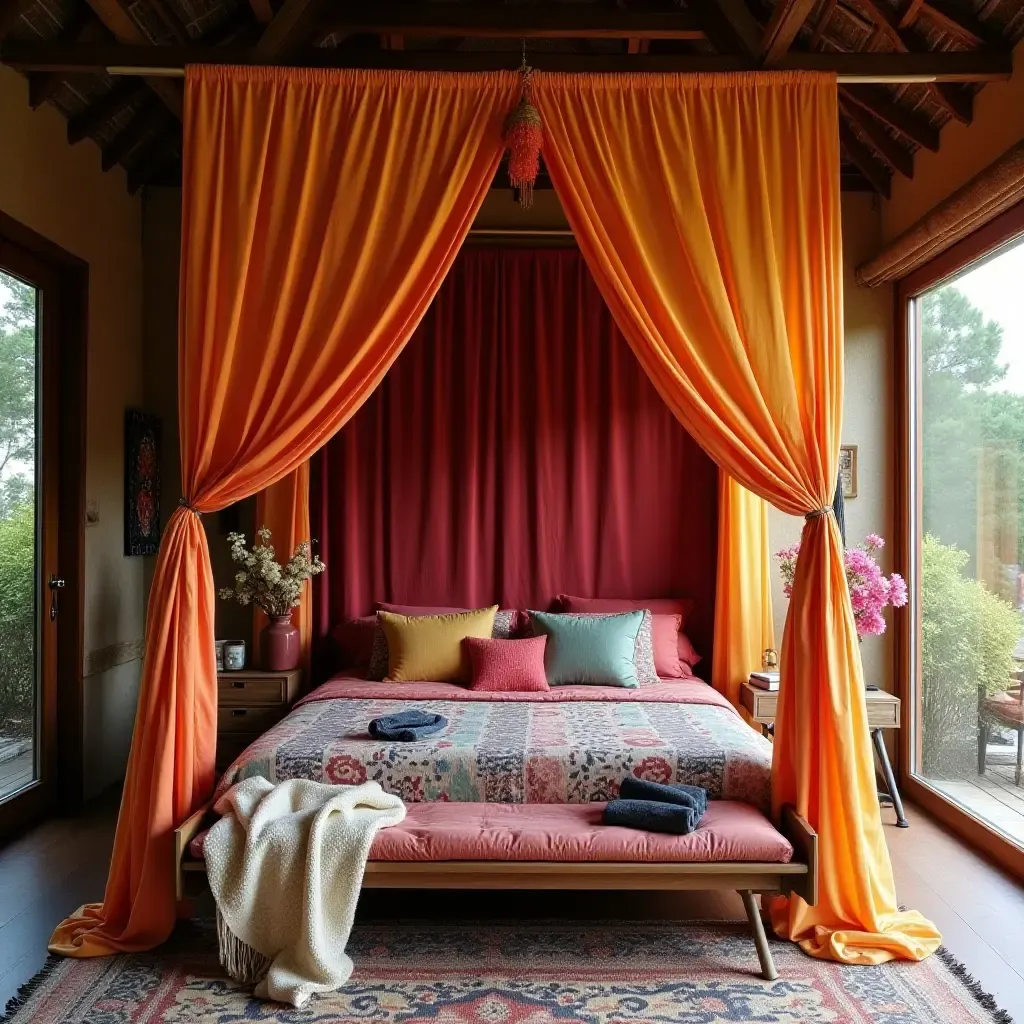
x=708 y=210
x=322 y=209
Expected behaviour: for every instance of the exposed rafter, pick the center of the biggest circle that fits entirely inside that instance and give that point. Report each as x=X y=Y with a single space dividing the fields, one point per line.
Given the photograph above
x=881 y=141
x=291 y=27
x=82 y=27
x=146 y=119
x=108 y=106
x=783 y=27
x=862 y=158
x=164 y=146
x=959 y=21
x=730 y=27
x=10 y=12
x=957 y=102
x=909 y=124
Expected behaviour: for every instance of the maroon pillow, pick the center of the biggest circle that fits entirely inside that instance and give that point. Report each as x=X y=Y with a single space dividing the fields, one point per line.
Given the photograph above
x=507 y=666
x=354 y=638
x=681 y=606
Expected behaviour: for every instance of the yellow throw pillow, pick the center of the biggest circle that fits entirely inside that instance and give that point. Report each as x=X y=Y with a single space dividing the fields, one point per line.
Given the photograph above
x=428 y=648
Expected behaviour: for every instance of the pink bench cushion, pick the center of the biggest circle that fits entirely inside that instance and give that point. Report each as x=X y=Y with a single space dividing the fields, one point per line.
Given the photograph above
x=729 y=831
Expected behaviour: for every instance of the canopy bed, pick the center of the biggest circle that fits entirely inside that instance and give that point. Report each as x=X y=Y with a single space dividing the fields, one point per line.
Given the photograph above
x=322 y=211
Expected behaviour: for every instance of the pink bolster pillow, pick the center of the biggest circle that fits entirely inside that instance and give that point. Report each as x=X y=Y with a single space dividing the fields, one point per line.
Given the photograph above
x=507 y=665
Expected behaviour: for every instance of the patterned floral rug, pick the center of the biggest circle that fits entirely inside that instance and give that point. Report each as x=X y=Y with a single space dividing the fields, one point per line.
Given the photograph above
x=420 y=973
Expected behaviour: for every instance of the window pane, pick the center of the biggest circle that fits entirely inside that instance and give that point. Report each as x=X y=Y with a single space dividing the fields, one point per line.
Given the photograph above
x=19 y=704
x=971 y=713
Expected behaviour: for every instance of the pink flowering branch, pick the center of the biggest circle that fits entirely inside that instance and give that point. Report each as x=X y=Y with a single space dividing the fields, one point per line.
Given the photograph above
x=871 y=592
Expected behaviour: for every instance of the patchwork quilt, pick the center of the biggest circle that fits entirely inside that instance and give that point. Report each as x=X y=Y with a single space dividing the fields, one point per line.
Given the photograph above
x=574 y=749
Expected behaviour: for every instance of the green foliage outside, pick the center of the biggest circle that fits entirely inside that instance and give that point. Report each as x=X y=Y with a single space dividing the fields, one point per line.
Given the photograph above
x=17 y=507
x=973 y=441
x=968 y=636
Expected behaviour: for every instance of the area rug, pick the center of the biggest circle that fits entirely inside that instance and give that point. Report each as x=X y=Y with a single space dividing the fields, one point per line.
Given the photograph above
x=422 y=973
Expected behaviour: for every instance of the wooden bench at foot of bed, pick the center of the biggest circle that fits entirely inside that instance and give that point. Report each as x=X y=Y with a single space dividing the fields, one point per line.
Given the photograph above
x=566 y=846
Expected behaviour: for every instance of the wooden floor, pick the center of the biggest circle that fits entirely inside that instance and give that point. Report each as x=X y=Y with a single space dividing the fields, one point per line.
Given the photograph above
x=980 y=910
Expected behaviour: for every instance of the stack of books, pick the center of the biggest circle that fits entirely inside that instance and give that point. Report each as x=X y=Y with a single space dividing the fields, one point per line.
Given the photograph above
x=765 y=680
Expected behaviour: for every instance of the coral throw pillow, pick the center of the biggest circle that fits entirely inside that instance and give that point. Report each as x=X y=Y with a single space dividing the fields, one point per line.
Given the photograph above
x=665 y=639
x=507 y=666
x=428 y=648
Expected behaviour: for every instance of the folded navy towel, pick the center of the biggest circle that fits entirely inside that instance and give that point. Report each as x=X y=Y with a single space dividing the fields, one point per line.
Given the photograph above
x=407 y=726
x=633 y=788
x=652 y=816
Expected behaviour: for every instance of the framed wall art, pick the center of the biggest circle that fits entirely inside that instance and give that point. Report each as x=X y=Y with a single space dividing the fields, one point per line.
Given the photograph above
x=141 y=483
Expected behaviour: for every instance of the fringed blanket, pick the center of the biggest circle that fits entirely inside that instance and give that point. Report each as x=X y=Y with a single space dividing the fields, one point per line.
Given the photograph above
x=572 y=745
x=285 y=865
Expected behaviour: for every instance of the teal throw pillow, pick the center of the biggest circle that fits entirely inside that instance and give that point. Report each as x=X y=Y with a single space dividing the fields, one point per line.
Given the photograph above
x=596 y=650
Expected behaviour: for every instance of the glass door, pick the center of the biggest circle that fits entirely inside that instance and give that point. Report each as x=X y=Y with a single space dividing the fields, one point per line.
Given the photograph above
x=967 y=398
x=28 y=494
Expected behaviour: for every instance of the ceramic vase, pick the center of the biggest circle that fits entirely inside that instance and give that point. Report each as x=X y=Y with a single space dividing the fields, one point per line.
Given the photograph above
x=279 y=644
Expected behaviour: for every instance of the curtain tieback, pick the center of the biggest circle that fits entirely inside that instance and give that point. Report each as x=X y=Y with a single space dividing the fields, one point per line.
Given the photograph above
x=818 y=512
x=185 y=503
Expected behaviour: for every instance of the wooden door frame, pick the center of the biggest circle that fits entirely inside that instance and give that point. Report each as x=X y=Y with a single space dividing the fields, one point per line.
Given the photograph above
x=72 y=275
x=976 y=246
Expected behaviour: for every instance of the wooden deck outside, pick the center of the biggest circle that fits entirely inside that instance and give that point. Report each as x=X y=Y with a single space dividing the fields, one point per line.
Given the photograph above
x=992 y=797
x=15 y=769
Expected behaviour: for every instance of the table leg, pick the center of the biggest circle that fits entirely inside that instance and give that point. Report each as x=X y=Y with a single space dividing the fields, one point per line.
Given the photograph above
x=878 y=739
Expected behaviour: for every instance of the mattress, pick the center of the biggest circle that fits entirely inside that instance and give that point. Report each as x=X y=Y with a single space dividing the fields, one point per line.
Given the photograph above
x=572 y=744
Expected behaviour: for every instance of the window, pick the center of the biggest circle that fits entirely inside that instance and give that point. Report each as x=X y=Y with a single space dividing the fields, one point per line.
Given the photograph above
x=966 y=532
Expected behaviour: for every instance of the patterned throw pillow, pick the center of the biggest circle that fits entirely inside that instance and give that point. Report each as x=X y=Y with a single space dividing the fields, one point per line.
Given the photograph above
x=592 y=649
x=643 y=650
x=505 y=623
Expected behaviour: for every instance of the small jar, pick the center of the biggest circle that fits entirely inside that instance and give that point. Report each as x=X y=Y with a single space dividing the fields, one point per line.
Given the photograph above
x=234 y=655
x=219 y=648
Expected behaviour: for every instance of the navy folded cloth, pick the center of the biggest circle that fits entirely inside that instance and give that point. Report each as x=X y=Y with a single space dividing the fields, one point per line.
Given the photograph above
x=633 y=788
x=652 y=816
x=407 y=726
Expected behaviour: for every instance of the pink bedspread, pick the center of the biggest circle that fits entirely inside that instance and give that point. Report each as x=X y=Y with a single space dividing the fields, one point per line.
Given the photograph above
x=668 y=691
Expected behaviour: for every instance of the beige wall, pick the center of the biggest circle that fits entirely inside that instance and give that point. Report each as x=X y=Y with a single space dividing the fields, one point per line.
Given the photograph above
x=60 y=192
x=964 y=151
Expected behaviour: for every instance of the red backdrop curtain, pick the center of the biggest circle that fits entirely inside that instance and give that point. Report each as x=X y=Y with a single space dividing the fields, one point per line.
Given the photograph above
x=515 y=450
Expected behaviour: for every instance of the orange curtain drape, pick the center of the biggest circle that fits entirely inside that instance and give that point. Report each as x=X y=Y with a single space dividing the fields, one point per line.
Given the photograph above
x=321 y=210
x=708 y=210
x=283 y=508
x=744 y=626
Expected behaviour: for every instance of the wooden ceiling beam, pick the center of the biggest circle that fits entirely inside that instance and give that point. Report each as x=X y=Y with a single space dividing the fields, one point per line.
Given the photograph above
x=961 y=22
x=169 y=16
x=730 y=27
x=143 y=121
x=958 y=103
x=291 y=27
x=908 y=12
x=910 y=125
x=881 y=141
x=856 y=68
x=10 y=12
x=861 y=156
x=262 y=11
x=514 y=21
x=822 y=24
x=123 y=28
x=109 y=105
x=783 y=27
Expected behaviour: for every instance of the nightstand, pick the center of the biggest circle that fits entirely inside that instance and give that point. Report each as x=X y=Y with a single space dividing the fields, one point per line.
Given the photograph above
x=883 y=713
x=248 y=704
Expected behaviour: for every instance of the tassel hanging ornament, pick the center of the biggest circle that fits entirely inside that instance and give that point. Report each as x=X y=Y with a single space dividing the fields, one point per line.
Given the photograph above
x=524 y=136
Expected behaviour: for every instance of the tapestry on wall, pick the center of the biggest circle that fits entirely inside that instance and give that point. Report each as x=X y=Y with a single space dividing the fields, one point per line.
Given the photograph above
x=141 y=483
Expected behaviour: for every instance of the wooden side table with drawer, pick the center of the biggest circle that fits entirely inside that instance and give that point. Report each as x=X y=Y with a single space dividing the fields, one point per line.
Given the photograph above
x=883 y=713
x=248 y=704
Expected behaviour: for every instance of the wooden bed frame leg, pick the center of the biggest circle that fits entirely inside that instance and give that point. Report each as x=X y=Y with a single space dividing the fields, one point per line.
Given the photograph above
x=764 y=954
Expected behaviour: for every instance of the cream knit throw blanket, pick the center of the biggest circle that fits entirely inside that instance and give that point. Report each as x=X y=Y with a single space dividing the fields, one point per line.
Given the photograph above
x=285 y=864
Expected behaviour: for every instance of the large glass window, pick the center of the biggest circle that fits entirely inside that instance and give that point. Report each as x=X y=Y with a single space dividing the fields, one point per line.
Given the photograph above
x=968 y=336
